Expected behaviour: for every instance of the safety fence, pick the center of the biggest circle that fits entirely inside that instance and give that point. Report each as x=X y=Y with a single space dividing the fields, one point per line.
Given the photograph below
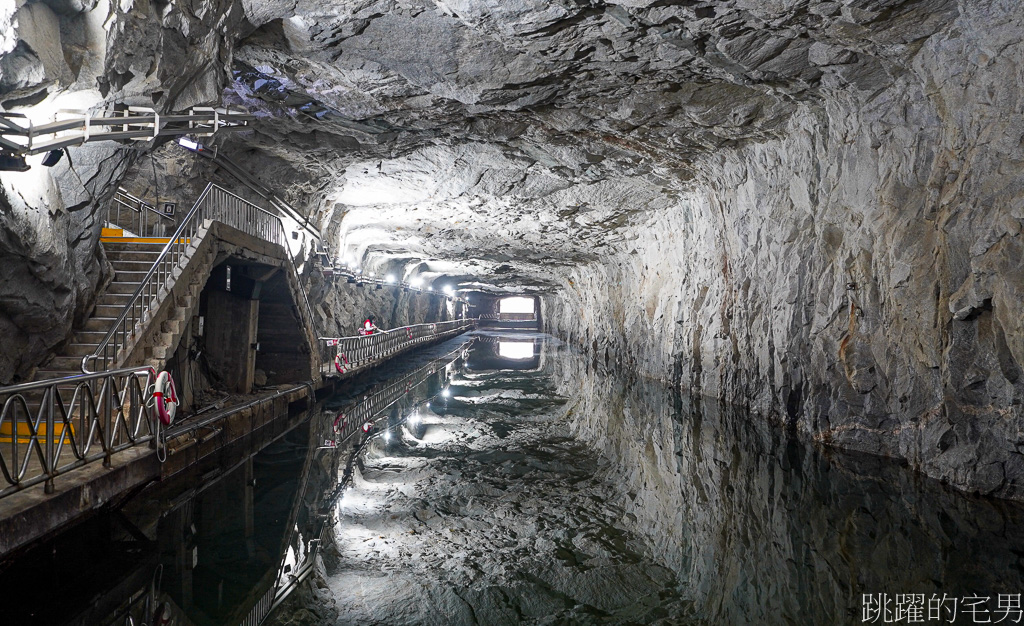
x=49 y=427
x=20 y=136
x=214 y=204
x=137 y=216
x=354 y=353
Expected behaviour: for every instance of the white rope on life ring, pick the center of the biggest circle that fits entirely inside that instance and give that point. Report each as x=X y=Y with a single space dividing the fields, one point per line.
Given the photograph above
x=165 y=397
x=340 y=358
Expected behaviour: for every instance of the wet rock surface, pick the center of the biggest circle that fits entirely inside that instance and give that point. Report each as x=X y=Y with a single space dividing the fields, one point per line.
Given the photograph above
x=567 y=493
x=803 y=207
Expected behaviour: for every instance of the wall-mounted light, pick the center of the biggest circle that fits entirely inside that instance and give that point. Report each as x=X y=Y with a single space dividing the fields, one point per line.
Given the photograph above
x=53 y=157
x=189 y=144
x=390 y=278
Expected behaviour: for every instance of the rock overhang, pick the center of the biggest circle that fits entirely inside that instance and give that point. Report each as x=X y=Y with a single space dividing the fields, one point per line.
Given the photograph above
x=497 y=128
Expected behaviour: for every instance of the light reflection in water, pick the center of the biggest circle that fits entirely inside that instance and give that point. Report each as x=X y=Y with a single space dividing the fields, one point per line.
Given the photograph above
x=515 y=349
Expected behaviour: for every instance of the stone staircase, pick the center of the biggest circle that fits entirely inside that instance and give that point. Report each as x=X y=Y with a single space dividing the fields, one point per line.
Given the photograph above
x=131 y=260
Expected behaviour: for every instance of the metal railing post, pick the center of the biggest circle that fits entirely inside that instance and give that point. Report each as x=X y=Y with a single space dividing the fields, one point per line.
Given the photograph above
x=48 y=399
x=107 y=434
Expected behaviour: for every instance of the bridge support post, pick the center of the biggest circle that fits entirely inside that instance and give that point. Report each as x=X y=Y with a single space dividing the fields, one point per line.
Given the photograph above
x=231 y=324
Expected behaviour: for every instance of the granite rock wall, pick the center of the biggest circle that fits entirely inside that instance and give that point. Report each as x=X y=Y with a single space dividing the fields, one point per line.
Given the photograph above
x=859 y=278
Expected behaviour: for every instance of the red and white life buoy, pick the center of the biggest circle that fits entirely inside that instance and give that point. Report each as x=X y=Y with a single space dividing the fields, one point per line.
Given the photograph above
x=166 y=398
x=341 y=363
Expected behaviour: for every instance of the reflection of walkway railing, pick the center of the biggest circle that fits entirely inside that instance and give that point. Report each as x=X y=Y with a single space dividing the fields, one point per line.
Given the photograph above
x=355 y=415
x=350 y=354
x=51 y=426
x=215 y=204
x=359 y=416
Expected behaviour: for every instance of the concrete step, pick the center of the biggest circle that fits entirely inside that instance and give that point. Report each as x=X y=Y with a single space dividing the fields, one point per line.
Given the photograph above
x=161 y=352
x=134 y=246
x=66 y=363
x=173 y=326
x=90 y=336
x=79 y=349
x=113 y=299
x=132 y=265
x=50 y=374
x=109 y=310
x=143 y=256
x=99 y=323
x=134 y=277
x=125 y=287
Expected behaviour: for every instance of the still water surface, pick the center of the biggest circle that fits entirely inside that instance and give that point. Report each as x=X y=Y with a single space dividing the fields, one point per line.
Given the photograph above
x=540 y=488
x=512 y=481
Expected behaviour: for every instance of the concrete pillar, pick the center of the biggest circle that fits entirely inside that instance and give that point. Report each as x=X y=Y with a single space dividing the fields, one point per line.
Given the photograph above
x=231 y=325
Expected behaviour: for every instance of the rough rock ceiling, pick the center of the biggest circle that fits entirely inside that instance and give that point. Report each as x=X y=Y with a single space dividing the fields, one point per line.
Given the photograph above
x=496 y=140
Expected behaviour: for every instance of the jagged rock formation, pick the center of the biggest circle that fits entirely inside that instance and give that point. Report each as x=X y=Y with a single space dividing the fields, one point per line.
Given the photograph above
x=79 y=54
x=809 y=208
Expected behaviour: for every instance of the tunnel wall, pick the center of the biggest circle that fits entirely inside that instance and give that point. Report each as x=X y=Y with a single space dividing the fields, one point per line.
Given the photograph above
x=341 y=307
x=75 y=55
x=859 y=278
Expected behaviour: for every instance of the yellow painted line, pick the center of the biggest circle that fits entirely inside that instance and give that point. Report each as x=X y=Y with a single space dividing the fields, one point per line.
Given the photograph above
x=24 y=434
x=140 y=240
x=112 y=232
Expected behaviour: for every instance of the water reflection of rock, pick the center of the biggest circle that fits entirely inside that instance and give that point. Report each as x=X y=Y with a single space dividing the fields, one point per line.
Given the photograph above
x=563 y=492
x=762 y=528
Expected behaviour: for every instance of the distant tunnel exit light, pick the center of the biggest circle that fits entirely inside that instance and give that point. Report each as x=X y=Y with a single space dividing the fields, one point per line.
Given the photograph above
x=515 y=305
x=515 y=349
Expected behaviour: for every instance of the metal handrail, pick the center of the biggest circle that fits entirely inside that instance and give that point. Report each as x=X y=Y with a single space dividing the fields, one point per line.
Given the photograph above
x=141 y=123
x=215 y=204
x=88 y=416
x=139 y=211
x=355 y=352
x=354 y=416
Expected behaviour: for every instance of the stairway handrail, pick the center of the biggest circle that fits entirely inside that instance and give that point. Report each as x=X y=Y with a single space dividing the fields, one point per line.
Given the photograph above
x=128 y=308
x=139 y=204
x=137 y=307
